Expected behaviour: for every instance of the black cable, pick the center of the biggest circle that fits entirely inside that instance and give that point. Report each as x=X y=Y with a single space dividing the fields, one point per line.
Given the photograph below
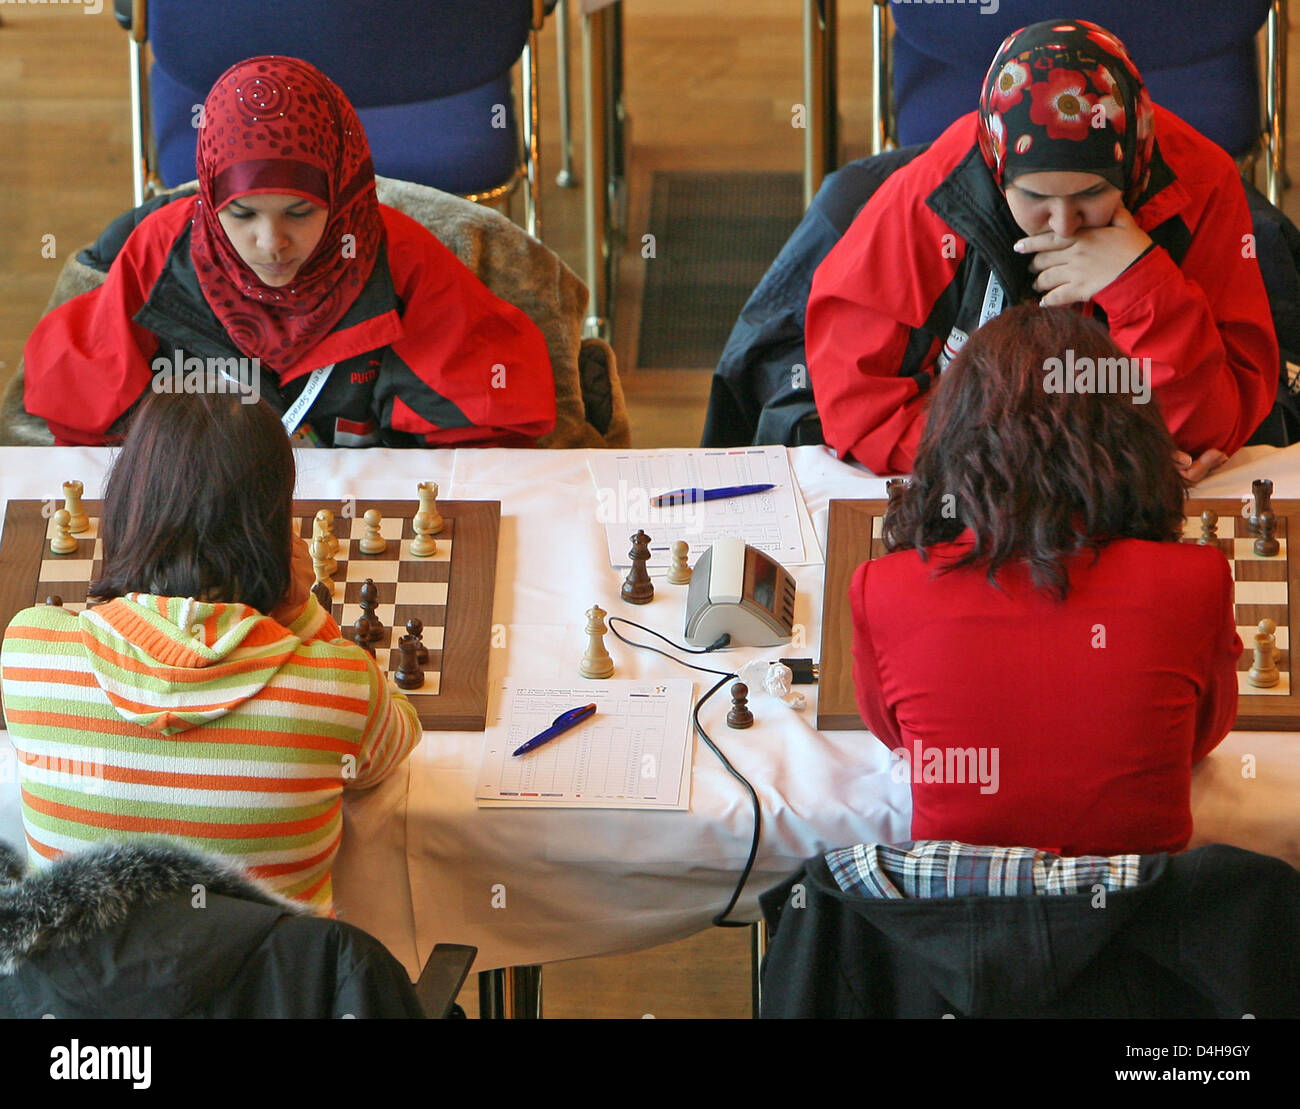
x=718 y=920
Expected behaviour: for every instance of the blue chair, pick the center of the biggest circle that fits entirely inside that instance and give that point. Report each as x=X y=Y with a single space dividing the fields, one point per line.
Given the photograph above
x=430 y=79
x=1198 y=59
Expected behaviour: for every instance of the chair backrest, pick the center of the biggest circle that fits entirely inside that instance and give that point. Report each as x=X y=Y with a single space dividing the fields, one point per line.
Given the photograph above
x=397 y=52
x=1197 y=57
x=937 y=929
x=192 y=934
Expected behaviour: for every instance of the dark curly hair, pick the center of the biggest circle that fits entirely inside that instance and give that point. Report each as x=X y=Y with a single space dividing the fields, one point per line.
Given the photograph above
x=1036 y=474
x=200 y=502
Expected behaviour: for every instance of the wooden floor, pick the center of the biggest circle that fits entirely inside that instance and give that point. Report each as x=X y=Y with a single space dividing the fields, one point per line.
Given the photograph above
x=708 y=86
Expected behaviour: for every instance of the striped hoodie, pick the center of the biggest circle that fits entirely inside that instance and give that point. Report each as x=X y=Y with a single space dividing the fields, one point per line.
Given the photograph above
x=163 y=716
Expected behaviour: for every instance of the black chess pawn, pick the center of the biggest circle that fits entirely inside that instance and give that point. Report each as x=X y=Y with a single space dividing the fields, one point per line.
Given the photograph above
x=369 y=600
x=740 y=716
x=322 y=593
x=409 y=675
x=362 y=635
x=1266 y=546
x=638 y=589
x=415 y=631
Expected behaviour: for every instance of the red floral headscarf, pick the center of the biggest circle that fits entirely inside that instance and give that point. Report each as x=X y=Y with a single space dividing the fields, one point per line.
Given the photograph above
x=1064 y=95
x=279 y=125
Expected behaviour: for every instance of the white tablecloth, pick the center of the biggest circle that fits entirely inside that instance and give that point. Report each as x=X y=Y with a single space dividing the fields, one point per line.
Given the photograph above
x=529 y=886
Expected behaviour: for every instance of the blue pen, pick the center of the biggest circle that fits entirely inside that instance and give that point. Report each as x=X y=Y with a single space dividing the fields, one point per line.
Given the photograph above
x=690 y=496
x=559 y=726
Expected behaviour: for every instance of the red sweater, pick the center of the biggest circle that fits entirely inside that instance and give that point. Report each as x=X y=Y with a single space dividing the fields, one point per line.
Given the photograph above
x=870 y=331
x=436 y=369
x=1082 y=718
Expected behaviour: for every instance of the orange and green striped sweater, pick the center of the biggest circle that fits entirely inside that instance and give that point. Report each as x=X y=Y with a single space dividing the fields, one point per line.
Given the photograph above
x=163 y=716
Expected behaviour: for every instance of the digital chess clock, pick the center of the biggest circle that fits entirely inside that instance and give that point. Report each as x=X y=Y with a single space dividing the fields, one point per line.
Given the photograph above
x=739 y=591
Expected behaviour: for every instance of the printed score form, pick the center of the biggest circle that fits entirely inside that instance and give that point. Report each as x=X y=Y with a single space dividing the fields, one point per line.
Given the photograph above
x=775 y=522
x=634 y=753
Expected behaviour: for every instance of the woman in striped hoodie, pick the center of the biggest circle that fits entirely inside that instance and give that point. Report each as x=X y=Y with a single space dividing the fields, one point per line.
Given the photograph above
x=208 y=697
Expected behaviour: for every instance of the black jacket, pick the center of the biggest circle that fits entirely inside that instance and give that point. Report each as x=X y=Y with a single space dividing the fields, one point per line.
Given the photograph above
x=1214 y=932
x=152 y=930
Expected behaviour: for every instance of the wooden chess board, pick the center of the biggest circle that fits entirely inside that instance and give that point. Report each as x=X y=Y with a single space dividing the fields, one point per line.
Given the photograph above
x=1264 y=587
x=451 y=592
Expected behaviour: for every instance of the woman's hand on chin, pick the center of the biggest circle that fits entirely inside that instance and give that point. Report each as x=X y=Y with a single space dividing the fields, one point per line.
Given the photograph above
x=1074 y=270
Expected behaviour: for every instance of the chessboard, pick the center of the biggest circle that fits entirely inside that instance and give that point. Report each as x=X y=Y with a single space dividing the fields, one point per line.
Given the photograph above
x=450 y=592
x=1264 y=586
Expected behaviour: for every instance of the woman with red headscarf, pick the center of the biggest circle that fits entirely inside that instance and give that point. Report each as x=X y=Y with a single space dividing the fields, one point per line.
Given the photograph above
x=1068 y=187
x=285 y=272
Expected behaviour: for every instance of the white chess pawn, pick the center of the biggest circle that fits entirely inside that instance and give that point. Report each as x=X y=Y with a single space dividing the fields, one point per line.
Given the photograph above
x=72 y=491
x=63 y=543
x=323 y=528
x=322 y=560
x=1264 y=672
x=679 y=572
x=596 y=662
x=373 y=542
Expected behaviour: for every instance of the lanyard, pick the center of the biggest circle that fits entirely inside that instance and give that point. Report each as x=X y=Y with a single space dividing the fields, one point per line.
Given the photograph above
x=310 y=392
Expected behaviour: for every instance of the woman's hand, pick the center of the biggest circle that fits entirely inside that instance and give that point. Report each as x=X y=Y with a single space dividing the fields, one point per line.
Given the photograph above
x=1194 y=470
x=302 y=576
x=1074 y=270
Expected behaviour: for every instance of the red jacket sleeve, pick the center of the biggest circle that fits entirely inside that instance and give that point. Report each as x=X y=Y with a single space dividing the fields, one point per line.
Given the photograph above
x=86 y=362
x=870 y=297
x=869 y=411
x=1205 y=326
x=480 y=352
x=876 y=713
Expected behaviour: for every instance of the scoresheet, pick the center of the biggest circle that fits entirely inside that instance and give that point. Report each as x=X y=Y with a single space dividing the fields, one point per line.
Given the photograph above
x=772 y=522
x=633 y=753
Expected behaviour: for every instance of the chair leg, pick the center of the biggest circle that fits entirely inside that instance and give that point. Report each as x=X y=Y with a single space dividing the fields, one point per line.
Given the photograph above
x=821 y=108
x=139 y=162
x=565 y=178
x=1275 y=96
x=757 y=949
x=595 y=185
x=510 y=993
x=532 y=152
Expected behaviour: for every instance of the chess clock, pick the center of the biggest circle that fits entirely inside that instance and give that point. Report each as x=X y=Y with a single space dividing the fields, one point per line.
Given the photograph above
x=739 y=591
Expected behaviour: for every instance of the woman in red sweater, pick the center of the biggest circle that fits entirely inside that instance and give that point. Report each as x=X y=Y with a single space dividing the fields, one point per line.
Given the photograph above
x=1067 y=185
x=351 y=319
x=1045 y=658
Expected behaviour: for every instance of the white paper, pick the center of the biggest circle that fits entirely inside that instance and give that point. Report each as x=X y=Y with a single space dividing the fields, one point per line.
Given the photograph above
x=634 y=753
x=626 y=480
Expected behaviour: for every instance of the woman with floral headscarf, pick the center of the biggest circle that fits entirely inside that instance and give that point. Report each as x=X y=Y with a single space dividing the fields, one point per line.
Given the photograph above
x=361 y=327
x=1069 y=187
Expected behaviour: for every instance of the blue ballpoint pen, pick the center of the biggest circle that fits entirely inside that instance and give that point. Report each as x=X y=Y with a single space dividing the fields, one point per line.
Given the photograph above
x=690 y=496
x=559 y=726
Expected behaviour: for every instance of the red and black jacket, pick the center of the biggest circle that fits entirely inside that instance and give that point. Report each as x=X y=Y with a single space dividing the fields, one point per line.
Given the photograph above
x=425 y=356
x=915 y=264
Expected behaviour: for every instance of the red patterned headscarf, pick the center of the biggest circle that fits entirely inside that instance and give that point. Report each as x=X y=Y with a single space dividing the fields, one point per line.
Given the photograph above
x=278 y=125
x=1064 y=95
